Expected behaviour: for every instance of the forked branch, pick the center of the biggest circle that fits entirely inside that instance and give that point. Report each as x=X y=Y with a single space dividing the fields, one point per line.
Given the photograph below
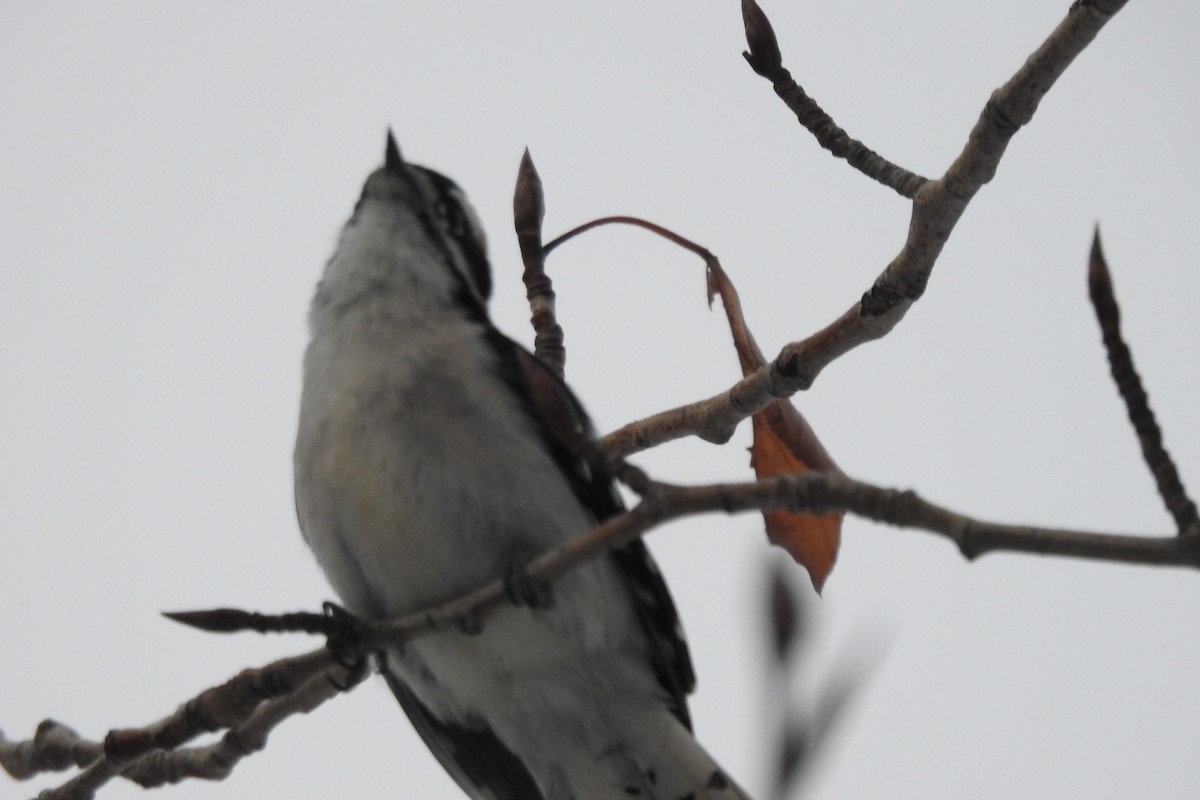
x=937 y=207
x=765 y=59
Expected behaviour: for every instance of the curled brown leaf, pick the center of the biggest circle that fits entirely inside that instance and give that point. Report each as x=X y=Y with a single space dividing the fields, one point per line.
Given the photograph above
x=784 y=444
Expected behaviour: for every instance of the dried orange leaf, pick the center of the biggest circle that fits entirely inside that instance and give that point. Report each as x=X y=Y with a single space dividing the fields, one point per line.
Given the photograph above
x=811 y=540
x=784 y=444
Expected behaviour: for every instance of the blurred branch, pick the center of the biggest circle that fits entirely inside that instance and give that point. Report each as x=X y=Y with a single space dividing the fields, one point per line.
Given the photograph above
x=805 y=727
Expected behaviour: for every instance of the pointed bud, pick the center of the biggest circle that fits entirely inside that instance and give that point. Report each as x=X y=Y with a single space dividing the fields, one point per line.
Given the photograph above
x=217 y=620
x=1100 y=286
x=529 y=204
x=764 y=54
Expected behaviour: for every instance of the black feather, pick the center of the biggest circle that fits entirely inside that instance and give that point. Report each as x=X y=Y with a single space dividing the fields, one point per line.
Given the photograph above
x=476 y=759
x=566 y=430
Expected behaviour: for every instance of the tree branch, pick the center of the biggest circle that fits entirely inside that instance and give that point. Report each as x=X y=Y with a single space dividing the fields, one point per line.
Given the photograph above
x=811 y=493
x=251 y=704
x=937 y=207
x=529 y=208
x=1137 y=403
x=248 y=707
x=765 y=59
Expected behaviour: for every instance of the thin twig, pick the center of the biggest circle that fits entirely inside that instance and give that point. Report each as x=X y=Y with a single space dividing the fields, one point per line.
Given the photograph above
x=228 y=620
x=1137 y=403
x=529 y=207
x=823 y=493
x=765 y=59
x=655 y=228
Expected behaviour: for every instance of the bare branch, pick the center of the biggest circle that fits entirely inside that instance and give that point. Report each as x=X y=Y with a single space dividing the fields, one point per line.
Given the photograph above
x=1137 y=403
x=638 y=222
x=529 y=207
x=229 y=620
x=765 y=59
x=822 y=493
x=252 y=703
x=54 y=747
x=937 y=207
x=248 y=706
x=217 y=760
x=811 y=493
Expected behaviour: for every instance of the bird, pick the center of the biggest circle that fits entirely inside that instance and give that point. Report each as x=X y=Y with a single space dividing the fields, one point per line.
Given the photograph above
x=434 y=455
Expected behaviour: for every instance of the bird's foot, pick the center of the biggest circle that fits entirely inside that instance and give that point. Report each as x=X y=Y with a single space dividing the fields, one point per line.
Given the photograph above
x=523 y=590
x=343 y=639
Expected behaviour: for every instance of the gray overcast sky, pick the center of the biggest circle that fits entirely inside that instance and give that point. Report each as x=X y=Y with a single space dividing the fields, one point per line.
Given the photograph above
x=172 y=177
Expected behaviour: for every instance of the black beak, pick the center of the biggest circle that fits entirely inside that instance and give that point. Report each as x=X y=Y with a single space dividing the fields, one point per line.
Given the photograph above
x=392 y=161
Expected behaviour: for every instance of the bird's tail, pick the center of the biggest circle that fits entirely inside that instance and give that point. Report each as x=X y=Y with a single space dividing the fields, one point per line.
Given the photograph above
x=657 y=758
x=592 y=734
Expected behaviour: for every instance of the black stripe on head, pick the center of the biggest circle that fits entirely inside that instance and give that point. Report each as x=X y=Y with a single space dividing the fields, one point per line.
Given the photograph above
x=449 y=222
x=458 y=223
